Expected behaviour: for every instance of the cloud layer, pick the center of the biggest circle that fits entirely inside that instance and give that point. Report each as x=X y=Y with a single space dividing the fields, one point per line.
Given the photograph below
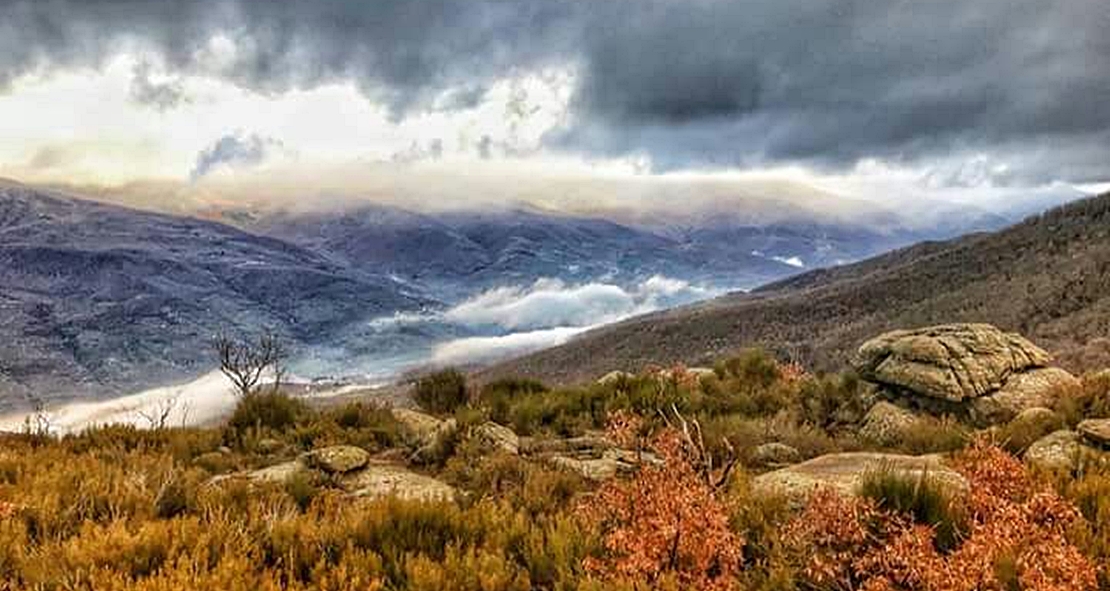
x=686 y=83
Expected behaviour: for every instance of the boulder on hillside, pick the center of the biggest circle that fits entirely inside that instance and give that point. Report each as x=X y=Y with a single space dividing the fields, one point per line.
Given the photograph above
x=494 y=437
x=887 y=424
x=844 y=472
x=338 y=459
x=279 y=473
x=423 y=432
x=952 y=362
x=1057 y=451
x=974 y=370
x=614 y=377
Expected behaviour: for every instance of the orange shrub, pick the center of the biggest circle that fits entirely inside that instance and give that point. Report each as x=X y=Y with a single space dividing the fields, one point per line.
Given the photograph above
x=1016 y=538
x=665 y=523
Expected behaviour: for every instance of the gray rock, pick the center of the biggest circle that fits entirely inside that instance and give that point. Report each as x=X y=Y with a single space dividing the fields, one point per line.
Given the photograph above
x=377 y=480
x=1057 y=451
x=494 y=437
x=614 y=377
x=953 y=362
x=338 y=459
x=887 y=423
x=844 y=472
x=1097 y=431
x=280 y=473
x=1029 y=389
x=591 y=469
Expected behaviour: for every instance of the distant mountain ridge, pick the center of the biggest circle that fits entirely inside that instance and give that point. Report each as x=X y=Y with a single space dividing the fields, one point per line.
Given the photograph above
x=1047 y=277
x=98 y=300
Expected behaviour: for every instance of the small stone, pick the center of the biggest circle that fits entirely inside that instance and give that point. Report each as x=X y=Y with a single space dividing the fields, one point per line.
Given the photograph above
x=269 y=446
x=1096 y=431
x=773 y=455
x=1057 y=451
x=494 y=437
x=338 y=459
x=887 y=423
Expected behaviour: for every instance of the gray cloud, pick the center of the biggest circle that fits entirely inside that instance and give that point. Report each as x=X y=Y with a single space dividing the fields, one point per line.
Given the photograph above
x=689 y=83
x=235 y=150
x=158 y=95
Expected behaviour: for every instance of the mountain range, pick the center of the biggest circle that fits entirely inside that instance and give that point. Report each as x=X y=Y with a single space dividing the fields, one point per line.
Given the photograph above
x=1047 y=277
x=99 y=300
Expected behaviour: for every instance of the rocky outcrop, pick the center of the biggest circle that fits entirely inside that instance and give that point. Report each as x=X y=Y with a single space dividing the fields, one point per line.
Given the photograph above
x=887 y=424
x=339 y=459
x=615 y=376
x=844 y=472
x=372 y=479
x=974 y=369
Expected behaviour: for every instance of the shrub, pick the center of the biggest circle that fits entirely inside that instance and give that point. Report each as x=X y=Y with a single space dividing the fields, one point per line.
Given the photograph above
x=266 y=410
x=442 y=392
x=1089 y=399
x=923 y=498
x=664 y=525
x=932 y=435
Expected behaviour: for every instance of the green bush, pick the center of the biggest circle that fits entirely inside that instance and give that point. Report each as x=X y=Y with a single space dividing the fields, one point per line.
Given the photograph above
x=923 y=497
x=266 y=410
x=442 y=392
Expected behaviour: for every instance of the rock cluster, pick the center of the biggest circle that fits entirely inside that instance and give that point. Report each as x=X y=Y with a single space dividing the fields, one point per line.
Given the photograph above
x=975 y=370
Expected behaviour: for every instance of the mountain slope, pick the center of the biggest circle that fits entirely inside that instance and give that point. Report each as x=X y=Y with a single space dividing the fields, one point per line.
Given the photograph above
x=98 y=300
x=1047 y=277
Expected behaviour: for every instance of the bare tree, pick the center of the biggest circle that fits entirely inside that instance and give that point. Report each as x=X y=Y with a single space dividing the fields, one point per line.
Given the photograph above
x=39 y=423
x=158 y=417
x=245 y=363
x=700 y=457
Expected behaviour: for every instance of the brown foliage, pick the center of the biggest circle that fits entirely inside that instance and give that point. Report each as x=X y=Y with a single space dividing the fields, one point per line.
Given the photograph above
x=663 y=524
x=1017 y=538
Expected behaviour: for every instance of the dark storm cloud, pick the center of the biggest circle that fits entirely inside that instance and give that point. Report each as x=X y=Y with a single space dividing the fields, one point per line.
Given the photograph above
x=690 y=83
x=234 y=150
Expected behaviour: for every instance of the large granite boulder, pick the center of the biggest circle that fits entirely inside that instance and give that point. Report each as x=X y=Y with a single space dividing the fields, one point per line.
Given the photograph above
x=953 y=362
x=339 y=459
x=974 y=370
x=426 y=435
x=844 y=472
x=280 y=473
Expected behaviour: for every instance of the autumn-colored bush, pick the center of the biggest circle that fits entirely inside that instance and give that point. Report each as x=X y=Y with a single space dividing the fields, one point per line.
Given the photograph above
x=665 y=523
x=1016 y=538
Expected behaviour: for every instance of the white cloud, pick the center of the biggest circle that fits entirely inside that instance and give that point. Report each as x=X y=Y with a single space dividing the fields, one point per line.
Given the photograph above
x=489 y=349
x=550 y=303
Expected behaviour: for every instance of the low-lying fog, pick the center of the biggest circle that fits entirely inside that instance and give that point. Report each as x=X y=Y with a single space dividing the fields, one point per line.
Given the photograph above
x=493 y=325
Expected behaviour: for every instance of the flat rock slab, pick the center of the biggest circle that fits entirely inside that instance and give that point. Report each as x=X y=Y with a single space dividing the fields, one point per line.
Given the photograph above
x=952 y=362
x=378 y=480
x=844 y=473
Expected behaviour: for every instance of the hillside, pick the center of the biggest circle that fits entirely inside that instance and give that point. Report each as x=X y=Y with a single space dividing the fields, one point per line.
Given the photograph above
x=98 y=300
x=1047 y=277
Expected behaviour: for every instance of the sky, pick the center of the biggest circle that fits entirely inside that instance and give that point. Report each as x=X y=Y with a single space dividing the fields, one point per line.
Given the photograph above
x=967 y=99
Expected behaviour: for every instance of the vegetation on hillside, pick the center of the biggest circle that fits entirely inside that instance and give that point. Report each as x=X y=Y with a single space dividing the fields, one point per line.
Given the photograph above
x=128 y=509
